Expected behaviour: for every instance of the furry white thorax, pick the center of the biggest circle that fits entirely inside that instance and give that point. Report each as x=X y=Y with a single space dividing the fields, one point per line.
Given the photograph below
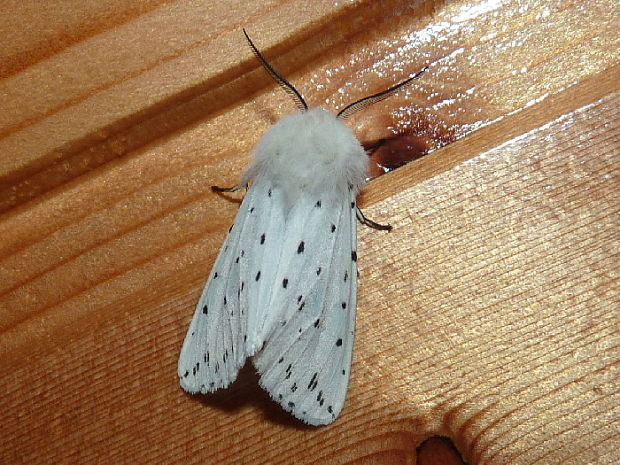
x=310 y=152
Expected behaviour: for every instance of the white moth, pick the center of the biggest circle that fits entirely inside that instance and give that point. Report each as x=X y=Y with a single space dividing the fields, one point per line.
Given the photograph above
x=282 y=290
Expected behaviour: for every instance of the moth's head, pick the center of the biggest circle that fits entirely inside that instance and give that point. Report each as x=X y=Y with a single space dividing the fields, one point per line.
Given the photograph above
x=314 y=136
x=313 y=150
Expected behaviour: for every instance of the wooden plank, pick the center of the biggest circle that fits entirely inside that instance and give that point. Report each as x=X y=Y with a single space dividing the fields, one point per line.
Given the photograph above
x=486 y=316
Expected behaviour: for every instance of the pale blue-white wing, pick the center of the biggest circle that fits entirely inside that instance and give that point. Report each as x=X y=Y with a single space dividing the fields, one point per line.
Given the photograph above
x=262 y=244
x=215 y=347
x=306 y=359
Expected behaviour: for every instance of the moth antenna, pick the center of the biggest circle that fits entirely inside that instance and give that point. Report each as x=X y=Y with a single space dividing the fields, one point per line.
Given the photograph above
x=367 y=101
x=288 y=87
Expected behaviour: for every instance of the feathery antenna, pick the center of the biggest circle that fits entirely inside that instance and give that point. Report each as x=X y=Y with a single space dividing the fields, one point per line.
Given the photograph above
x=367 y=101
x=288 y=87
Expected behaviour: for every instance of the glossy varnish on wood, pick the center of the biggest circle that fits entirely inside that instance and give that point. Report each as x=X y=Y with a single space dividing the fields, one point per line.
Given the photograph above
x=488 y=315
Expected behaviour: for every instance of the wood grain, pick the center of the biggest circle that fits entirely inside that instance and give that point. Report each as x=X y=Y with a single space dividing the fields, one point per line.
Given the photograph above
x=488 y=316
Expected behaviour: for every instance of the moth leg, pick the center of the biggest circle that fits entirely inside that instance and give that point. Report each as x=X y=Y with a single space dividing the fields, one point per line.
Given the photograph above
x=371 y=148
x=227 y=189
x=370 y=223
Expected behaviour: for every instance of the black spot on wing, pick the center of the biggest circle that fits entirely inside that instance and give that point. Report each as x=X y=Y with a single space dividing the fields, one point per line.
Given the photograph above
x=313 y=381
x=257 y=276
x=318 y=204
x=339 y=342
x=262 y=238
x=354 y=256
x=333 y=227
x=284 y=283
x=300 y=247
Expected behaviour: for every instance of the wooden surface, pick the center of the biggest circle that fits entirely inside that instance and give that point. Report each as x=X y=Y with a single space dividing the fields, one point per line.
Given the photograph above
x=488 y=316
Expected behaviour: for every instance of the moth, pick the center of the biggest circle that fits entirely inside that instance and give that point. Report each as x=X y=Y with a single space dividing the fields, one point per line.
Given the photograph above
x=282 y=291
